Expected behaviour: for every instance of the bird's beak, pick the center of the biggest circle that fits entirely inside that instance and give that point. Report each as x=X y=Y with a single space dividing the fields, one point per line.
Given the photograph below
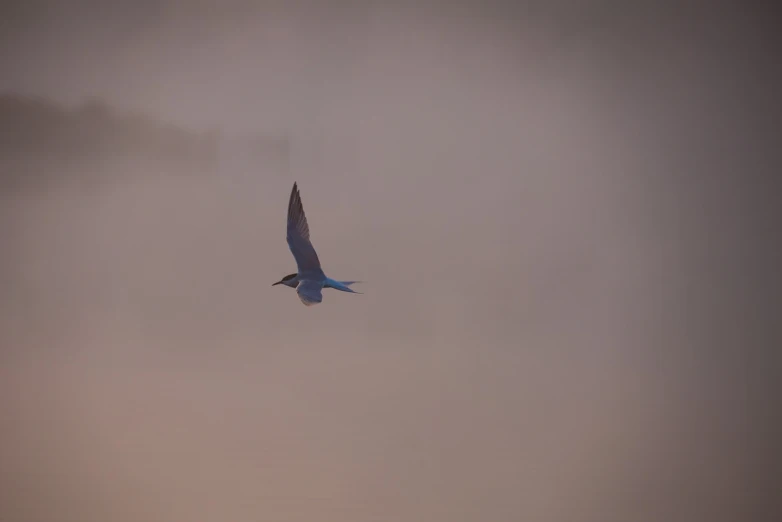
x=278 y=282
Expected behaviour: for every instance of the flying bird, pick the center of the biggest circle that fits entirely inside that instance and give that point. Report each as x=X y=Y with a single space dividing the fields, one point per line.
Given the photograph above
x=309 y=281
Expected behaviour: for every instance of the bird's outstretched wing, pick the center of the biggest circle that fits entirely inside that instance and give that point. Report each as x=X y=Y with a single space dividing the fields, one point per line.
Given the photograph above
x=310 y=292
x=299 y=238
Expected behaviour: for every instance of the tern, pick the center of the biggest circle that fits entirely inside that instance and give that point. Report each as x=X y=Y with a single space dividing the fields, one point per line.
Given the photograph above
x=310 y=280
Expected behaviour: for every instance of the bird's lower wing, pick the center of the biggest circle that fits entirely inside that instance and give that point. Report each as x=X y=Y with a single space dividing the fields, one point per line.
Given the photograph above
x=310 y=292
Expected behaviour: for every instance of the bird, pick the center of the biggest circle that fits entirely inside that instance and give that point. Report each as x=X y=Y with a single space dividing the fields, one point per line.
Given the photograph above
x=309 y=280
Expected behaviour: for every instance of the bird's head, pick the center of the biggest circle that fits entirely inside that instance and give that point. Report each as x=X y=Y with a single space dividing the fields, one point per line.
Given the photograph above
x=291 y=280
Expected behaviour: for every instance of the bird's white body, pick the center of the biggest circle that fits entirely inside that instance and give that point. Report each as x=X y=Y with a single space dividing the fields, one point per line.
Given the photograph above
x=306 y=288
x=310 y=280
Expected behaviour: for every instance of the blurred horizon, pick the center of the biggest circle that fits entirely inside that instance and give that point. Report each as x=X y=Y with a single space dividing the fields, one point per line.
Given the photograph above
x=564 y=213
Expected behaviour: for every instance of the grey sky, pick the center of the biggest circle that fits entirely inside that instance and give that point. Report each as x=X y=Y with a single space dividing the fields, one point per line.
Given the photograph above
x=564 y=213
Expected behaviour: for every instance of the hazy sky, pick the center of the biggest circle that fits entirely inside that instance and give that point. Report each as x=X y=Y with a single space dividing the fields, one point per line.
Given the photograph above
x=564 y=214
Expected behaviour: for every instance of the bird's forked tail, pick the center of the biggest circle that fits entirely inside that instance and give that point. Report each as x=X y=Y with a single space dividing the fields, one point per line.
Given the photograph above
x=343 y=286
